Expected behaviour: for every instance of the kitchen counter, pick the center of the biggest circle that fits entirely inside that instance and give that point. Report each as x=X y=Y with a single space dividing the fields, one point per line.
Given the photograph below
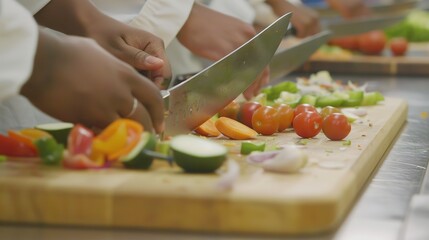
x=379 y=213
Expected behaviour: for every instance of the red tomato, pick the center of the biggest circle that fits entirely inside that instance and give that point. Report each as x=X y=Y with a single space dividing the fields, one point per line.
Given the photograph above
x=265 y=120
x=336 y=127
x=398 y=46
x=230 y=111
x=349 y=42
x=326 y=111
x=246 y=112
x=286 y=114
x=307 y=124
x=304 y=108
x=372 y=42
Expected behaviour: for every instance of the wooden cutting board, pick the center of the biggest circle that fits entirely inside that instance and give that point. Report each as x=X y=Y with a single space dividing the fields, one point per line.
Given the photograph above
x=313 y=201
x=415 y=63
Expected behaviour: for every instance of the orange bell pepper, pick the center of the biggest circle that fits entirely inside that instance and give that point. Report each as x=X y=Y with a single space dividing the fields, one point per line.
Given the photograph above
x=118 y=139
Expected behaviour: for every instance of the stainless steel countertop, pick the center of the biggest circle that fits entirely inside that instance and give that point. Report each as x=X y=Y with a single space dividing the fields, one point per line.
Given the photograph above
x=378 y=214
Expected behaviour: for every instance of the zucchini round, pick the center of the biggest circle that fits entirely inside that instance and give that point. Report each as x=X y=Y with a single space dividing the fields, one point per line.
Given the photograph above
x=60 y=130
x=197 y=155
x=137 y=158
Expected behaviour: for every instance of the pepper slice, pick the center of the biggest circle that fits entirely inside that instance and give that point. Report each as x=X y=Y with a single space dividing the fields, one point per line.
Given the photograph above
x=80 y=140
x=249 y=147
x=13 y=148
x=50 y=151
x=28 y=136
x=118 y=139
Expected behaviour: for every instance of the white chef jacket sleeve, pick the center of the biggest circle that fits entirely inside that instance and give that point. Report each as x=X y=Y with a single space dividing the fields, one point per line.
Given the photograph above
x=18 y=43
x=163 y=18
x=33 y=5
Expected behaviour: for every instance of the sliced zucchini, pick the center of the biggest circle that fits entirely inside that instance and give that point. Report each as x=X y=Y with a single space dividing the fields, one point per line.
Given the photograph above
x=60 y=131
x=197 y=155
x=137 y=158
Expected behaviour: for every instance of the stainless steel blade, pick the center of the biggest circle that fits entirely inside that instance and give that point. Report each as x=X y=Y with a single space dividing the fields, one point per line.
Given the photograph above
x=384 y=7
x=287 y=60
x=352 y=27
x=194 y=101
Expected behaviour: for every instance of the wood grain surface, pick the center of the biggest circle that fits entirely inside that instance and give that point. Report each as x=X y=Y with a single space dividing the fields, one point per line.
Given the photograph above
x=414 y=63
x=315 y=200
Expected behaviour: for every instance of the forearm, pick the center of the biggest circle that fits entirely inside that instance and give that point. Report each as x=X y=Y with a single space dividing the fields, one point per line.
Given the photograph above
x=48 y=47
x=72 y=17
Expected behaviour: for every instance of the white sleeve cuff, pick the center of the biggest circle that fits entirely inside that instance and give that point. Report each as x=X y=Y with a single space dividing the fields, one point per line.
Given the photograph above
x=163 y=18
x=18 y=43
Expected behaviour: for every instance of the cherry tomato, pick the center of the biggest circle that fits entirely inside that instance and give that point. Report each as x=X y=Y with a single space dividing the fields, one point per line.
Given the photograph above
x=372 y=42
x=348 y=42
x=304 y=108
x=326 y=111
x=286 y=114
x=230 y=111
x=246 y=112
x=307 y=124
x=265 y=120
x=336 y=127
x=398 y=46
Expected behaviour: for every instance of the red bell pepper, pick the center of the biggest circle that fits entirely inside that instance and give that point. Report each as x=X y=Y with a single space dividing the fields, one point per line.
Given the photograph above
x=13 y=148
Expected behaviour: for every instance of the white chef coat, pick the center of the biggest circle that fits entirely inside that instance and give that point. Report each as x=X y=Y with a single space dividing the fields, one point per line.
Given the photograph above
x=18 y=41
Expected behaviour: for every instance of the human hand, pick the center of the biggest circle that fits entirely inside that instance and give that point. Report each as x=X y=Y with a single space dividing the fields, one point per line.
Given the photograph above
x=75 y=80
x=139 y=48
x=349 y=8
x=260 y=81
x=211 y=34
x=304 y=19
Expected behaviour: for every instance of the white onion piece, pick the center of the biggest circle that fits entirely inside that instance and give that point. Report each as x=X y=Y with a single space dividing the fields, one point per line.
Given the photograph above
x=260 y=157
x=227 y=179
x=289 y=160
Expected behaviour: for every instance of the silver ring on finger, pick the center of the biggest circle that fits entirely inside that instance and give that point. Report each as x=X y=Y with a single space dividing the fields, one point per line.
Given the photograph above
x=133 y=109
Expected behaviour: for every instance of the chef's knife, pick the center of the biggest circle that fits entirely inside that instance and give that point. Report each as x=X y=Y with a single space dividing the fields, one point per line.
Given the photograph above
x=197 y=99
x=287 y=60
x=341 y=28
x=377 y=8
x=362 y=25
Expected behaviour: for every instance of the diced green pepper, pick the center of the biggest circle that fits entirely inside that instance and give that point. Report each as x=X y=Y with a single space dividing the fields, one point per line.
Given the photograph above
x=2 y=158
x=248 y=147
x=49 y=150
x=354 y=99
x=308 y=99
x=371 y=98
x=329 y=100
x=273 y=92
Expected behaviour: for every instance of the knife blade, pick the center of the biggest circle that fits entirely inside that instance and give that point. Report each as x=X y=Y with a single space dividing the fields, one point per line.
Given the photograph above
x=197 y=99
x=287 y=60
x=362 y=25
x=378 y=8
